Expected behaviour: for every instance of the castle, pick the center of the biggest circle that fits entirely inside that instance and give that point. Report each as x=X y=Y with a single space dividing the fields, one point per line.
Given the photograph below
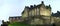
x=37 y=14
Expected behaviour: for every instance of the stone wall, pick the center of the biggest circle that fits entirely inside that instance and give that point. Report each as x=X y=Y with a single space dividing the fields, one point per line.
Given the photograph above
x=40 y=20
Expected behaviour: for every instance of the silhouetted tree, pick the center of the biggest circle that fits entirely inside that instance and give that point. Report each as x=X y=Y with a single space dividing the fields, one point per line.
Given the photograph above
x=4 y=23
x=53 y=24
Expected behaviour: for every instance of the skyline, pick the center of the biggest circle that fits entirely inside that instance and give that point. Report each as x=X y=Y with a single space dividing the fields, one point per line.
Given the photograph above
x=15 y=7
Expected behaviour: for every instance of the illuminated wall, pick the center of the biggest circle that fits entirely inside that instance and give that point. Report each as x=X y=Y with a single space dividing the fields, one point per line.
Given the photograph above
x=33 y=12
x=45 y=12
x=25 y=14
x=37 y=12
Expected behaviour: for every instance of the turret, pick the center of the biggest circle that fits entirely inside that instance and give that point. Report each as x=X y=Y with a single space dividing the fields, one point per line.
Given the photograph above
x=42 y=4
x=26 y=7
x=49 y=6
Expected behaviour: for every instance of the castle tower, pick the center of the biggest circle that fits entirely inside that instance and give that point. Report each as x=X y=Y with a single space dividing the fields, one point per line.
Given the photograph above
x=25 y=12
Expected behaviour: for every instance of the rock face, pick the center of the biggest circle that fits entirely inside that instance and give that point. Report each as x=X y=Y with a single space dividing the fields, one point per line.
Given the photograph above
x=40 y=21
x=37 y=21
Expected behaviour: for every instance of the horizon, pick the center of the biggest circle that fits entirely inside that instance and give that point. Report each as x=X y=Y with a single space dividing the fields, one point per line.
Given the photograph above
x=15 y=7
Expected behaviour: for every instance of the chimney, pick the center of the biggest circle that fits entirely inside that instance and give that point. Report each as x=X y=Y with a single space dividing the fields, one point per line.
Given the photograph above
x=34 y=5
x=31 y=6
x=49 y=5
x=42 y=2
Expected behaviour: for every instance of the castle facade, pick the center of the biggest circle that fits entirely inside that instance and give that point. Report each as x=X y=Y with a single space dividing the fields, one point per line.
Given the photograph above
x=37 y=14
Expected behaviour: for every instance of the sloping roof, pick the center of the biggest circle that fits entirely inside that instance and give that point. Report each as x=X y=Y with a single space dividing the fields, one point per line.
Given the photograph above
x=15 y=17
x=56 y=14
